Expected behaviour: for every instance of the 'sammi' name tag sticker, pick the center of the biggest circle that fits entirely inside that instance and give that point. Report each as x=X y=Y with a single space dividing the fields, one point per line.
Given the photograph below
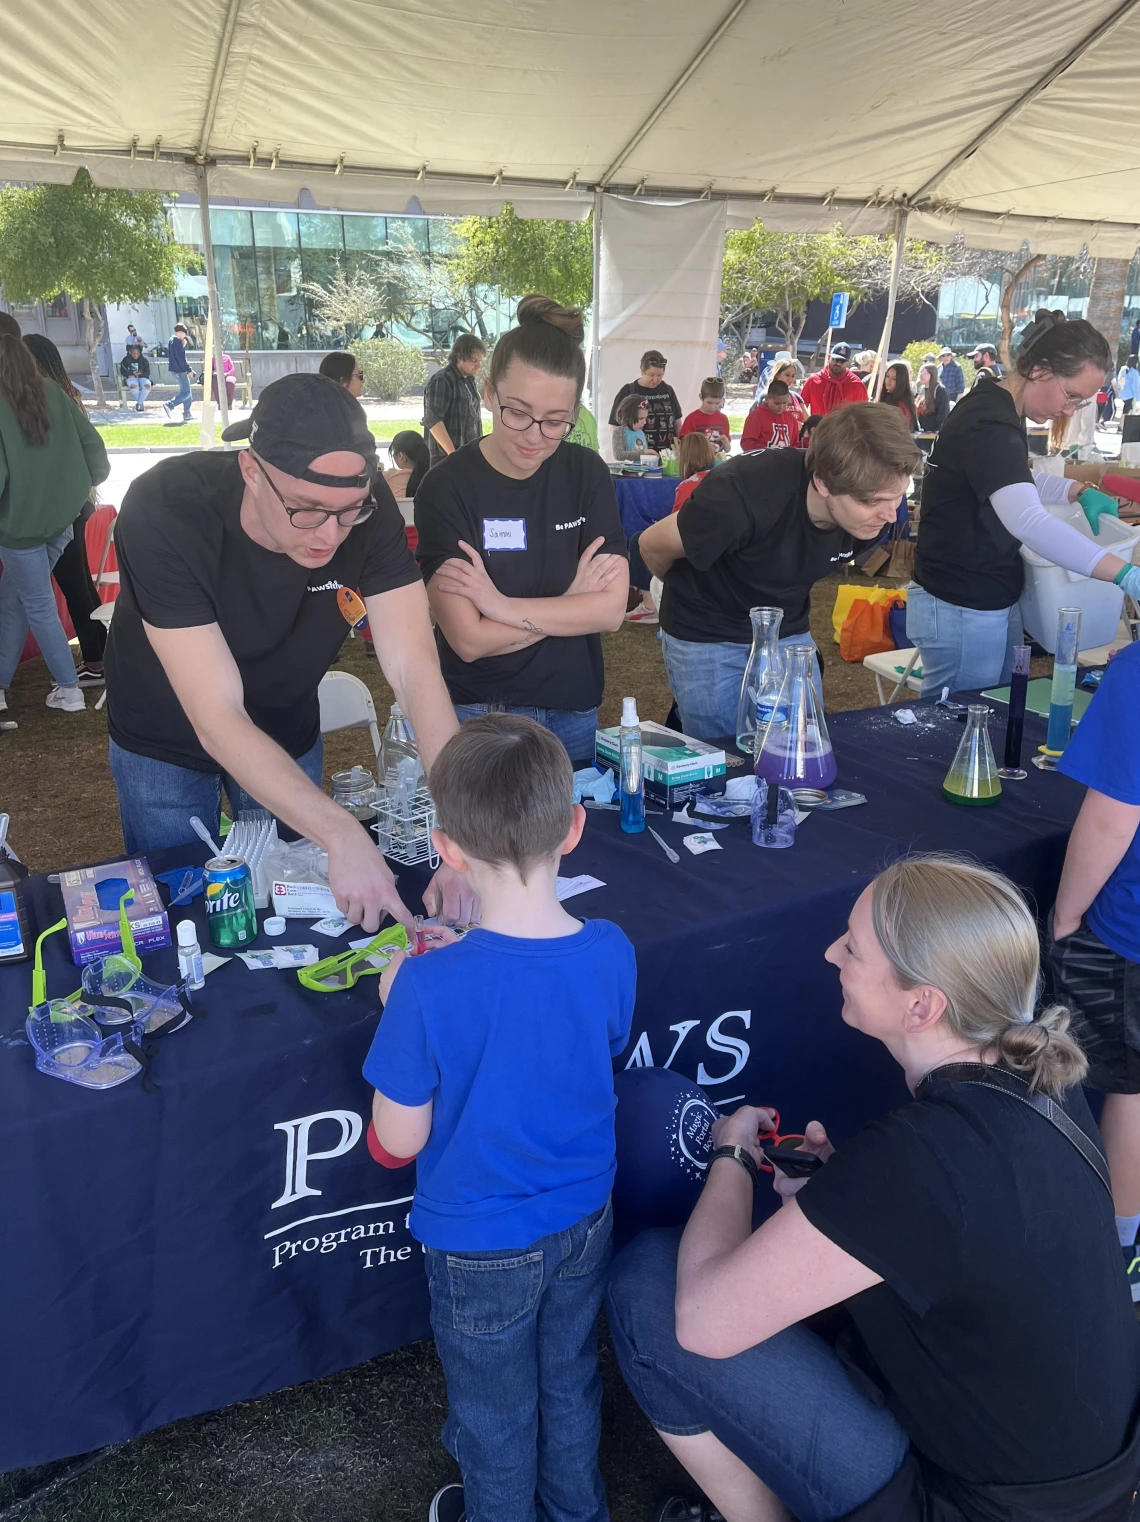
x=504 y=533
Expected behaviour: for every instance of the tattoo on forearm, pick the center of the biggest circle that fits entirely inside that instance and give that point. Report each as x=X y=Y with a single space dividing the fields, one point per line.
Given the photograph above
x=530 y=628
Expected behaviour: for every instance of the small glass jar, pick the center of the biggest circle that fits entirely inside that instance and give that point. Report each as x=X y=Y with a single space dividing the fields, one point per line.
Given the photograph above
x=353 y=790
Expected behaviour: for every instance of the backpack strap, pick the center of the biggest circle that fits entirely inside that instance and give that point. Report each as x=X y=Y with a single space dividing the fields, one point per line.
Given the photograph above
x=1005 y=1082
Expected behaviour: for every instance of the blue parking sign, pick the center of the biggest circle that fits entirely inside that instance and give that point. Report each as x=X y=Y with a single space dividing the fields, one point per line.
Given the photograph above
x=839 y=304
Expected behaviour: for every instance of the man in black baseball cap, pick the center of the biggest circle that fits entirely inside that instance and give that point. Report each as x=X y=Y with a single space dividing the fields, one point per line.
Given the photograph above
x=986 y=364
x=228 y=617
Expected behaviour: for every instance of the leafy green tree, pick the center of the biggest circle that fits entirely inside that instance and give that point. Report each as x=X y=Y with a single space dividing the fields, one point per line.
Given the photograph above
x=391 y=368
x=347 y=301
x=522 y=255
x=99 y=245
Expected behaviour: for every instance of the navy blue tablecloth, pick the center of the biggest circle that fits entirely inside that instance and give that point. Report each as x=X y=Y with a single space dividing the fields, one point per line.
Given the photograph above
x=171 y=1253
x=642 y=500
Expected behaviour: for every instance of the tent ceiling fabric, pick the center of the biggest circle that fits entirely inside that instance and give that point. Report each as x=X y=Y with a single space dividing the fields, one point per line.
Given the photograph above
x=831 y=110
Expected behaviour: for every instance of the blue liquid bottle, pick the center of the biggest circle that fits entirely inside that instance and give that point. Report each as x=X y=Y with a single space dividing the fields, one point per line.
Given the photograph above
x=1064 y=685
x=632 y=779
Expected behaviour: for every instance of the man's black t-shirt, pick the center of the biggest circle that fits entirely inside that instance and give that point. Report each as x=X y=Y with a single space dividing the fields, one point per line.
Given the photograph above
x=531 y=535
x=1003 y=1334
x=185 y=561
x=664 y=412
x=748 y=543
x=965 y=555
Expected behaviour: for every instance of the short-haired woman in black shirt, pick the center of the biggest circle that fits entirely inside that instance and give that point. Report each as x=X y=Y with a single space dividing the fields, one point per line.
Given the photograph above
x=521 y=544
x=985 y=1364
x=981 y=503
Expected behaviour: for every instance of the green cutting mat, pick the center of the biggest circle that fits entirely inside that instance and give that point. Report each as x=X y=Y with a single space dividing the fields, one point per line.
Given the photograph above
x=1037 y=698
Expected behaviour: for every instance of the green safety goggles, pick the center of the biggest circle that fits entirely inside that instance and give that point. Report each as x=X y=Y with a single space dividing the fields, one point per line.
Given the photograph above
x=343 y=971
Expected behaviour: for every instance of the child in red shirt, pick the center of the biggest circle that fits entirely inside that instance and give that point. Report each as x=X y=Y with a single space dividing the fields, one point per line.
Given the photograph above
x=708 y=418
x=696 y=456
x=773 y=423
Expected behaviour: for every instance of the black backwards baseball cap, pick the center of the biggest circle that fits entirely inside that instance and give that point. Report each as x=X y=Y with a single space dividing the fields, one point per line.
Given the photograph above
x=301 y=417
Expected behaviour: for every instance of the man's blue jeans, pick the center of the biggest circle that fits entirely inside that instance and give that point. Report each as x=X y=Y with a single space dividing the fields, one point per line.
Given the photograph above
x=157 y=799
x=961 y=648
x=785 y=1407
x=28 y=601
x=185 y=396
x=706 y=680
x=516 y=1333
x=575 y=727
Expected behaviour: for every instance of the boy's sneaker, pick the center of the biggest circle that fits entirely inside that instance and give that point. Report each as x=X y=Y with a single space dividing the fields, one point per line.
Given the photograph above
x=70 y=699
x=642 y=616
x=88 y=676
x=1132 y=1269
x=448 y=1505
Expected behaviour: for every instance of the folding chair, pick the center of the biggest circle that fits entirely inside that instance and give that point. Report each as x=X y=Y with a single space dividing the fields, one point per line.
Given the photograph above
x=346 y=703
x=889 y=664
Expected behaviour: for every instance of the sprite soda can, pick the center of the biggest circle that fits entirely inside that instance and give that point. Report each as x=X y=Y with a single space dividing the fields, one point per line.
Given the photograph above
x=230 y=912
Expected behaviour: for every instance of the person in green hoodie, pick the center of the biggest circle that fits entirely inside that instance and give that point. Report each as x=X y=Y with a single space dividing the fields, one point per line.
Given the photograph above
x=50 y=457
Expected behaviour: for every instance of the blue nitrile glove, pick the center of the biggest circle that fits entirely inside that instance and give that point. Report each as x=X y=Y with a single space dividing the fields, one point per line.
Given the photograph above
x=1096 y=504
x=1131 y=582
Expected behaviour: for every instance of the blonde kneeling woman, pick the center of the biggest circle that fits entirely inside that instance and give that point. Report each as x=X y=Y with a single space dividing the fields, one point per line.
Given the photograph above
x=980 y=1359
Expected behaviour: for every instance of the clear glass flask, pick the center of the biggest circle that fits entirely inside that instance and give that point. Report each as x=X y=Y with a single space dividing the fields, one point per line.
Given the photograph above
x=973 y=777
x=762 y=676
x=794 y=748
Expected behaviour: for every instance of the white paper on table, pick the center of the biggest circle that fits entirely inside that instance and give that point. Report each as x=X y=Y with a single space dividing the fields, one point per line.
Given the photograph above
x=569 y=887
x=211 y=962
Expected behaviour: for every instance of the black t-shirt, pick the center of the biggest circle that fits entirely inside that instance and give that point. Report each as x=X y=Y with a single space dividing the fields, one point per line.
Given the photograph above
x=1003 y=1334
x=185 y=561
x=663 y=407
x=965 y=555
x=748 y=543
x=531 y=534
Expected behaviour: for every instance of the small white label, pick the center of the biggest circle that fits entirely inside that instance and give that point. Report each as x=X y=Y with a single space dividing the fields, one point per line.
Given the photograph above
x=698 y=844
x=504 y=533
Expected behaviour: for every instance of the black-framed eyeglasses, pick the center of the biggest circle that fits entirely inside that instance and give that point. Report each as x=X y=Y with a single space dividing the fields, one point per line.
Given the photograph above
x=519 y=421
x=316 y=517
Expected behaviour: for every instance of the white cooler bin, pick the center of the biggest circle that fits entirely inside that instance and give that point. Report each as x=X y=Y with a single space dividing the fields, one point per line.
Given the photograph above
x=1048 y=587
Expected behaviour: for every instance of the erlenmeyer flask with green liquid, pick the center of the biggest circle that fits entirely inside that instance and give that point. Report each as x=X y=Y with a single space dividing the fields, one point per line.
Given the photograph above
x=973 y=777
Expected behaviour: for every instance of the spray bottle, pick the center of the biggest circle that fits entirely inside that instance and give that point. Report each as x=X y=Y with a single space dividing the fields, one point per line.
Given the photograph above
x=632 y=781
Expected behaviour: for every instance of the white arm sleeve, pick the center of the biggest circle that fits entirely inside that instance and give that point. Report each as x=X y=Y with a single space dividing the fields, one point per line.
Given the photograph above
x=1051 y=488
x=1019 y=509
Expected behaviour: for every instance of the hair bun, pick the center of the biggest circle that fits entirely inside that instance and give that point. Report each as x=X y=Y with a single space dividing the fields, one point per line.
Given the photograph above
x=533 y=309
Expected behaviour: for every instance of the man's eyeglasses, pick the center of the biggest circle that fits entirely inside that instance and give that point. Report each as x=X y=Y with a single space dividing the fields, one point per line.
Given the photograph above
x=316 y=517
x=519 y=421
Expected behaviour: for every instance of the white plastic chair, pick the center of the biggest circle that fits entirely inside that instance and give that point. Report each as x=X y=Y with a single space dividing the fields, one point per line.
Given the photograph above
x=346 y=703
x=889 y=664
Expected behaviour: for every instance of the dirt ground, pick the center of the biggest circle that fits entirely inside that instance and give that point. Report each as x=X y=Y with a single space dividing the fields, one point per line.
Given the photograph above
x=362 y=1446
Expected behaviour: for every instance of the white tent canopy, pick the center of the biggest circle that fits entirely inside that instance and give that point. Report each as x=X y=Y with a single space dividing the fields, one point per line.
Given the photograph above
x=1006 y=122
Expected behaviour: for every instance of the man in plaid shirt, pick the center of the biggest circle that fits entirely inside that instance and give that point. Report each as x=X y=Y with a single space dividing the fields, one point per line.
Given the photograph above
x=451 y=400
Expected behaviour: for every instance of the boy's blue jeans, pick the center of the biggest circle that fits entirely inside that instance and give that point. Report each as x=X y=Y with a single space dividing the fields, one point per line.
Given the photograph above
x=517 y=1337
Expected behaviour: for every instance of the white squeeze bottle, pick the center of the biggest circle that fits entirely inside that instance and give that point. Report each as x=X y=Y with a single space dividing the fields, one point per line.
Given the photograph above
x=190 y=955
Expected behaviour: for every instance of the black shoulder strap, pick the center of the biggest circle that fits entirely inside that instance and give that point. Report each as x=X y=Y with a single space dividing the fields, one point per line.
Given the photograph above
x=1005 y=1082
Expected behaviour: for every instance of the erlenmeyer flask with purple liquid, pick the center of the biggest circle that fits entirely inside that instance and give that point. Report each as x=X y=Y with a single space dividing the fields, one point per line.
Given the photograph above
x=795 y=748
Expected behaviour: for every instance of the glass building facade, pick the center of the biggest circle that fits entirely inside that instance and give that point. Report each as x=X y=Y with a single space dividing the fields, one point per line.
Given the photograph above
x=969 y=308
x=264 y=259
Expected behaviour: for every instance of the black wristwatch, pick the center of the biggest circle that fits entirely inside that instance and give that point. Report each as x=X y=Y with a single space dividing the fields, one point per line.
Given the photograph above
x=740 y=1155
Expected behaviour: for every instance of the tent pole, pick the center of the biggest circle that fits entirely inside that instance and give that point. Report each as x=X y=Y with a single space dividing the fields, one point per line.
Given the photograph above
x=892 y=297
x=595 y=331
x=212 y=295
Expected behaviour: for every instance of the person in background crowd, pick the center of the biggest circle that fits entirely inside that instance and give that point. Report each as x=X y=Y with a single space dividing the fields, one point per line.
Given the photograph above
x=772 y=423
x=750 y=365
x=521 y=544
x=897 y=392
x=179 y=367
x=788 y=374
x=709 y=419
x=775 y=370
x=50 y=458
x=134 y=367
x=696 y=456
x=760 y=531
x=663 y=408
x=283 y=339
x=452 y=417
x=1095 y=927
x=807 y=428
x=133 y=338
x=987 y=1361
x=411 y=462
x=72 y=571
x=227 y=375
x=981 y=502
x=986 y=360
x=835 y=387
x=951 y=375
x=932 y=405
x=343 y=368
x=863 y=365
x=628 y=441
x=1134 y=340
x=585 y=429
x=1128 y=385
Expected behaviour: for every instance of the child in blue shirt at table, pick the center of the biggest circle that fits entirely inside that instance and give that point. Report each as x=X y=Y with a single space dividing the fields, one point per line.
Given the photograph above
x=494 y=1063
x=629 y=442
x=1095 y=951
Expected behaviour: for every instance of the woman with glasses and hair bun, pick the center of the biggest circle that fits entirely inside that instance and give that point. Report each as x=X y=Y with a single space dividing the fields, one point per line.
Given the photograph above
x=520 y=541
x=981 y=503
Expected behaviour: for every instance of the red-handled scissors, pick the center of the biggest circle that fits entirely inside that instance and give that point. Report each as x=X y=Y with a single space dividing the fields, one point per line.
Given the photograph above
x=797 y=1164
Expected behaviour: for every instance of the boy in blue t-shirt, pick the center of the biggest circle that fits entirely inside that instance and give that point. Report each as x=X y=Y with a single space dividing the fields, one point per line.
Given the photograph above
x=493 y=1064
x=1095 y=950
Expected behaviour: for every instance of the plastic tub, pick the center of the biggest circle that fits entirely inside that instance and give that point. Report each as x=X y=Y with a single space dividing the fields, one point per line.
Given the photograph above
x=1048 y=587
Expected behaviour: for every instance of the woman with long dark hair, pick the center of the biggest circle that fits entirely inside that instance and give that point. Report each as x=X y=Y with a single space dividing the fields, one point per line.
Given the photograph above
x=411 y=461
x=933 y=404
x=50 y=458
x=73 y=570
x=897 y=392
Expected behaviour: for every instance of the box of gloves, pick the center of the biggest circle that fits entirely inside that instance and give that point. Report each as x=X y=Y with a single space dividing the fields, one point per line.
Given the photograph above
x=675 y=766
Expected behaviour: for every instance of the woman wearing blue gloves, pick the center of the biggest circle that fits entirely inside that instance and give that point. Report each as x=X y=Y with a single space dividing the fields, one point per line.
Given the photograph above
x=981 y=503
